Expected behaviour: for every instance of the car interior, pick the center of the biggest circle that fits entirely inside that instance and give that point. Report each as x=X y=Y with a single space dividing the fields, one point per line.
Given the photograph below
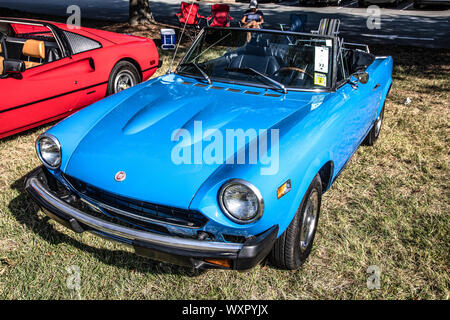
x=281 y=60
x=285 y=59
x=1 y=59
x=292 y=67
x=35 y=45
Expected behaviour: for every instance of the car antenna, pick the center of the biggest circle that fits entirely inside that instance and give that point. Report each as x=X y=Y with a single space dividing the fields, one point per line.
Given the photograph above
x=179 y=40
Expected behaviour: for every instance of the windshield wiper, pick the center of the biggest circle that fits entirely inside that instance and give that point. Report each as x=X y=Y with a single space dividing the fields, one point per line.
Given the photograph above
x=203 y=73
x=251 y=70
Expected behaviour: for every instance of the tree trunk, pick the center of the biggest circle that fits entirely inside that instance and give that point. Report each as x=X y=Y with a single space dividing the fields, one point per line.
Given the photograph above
x=140 y=12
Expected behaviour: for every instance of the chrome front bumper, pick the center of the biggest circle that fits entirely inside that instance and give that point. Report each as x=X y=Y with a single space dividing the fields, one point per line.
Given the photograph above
x=245 y=255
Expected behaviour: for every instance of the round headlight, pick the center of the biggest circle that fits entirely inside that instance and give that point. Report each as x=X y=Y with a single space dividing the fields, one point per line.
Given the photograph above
x=241 y=201
x=49 y=151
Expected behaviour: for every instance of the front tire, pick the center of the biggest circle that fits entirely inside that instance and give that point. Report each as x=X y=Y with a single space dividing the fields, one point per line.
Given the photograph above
x=372 y=136
x=123 y=76
x=293 y=247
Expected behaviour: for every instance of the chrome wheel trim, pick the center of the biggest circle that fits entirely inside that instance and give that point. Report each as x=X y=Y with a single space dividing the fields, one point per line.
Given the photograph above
x=309 y=220
x=124 y=80
x=378 y=125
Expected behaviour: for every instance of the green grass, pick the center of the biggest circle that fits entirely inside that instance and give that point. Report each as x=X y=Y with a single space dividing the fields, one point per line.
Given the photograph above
x=389 y=208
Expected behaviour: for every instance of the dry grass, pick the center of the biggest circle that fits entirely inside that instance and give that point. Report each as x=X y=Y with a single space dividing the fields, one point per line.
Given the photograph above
x=389 y=208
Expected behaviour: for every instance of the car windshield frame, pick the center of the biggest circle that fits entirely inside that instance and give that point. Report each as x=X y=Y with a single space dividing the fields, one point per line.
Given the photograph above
x=262 y=84
x=56 y=32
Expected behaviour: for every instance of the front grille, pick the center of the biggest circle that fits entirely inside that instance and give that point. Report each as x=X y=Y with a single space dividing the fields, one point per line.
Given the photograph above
x=143 y=211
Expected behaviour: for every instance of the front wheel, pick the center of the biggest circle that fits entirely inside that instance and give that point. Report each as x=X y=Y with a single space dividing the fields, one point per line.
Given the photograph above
x=123 y=76
x=292 y=248
x=373 y=134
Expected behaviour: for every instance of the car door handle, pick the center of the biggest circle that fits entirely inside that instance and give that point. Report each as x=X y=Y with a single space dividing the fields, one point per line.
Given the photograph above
x=376 y=87
x=92 y=64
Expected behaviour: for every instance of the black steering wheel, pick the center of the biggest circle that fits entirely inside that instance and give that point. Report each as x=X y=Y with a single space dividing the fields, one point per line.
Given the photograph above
x=292 y=74
x=299 y=70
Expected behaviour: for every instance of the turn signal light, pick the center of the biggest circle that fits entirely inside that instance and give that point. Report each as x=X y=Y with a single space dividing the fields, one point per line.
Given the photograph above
x=285 y=188
x=220 y=262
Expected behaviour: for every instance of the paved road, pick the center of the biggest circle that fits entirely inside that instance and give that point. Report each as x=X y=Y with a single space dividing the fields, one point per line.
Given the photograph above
x=116 y=10
x=403 y=25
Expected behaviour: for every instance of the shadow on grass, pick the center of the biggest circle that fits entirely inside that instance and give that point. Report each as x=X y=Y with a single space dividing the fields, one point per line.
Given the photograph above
x=27 y=132
x=415 y=61
x=26 y=211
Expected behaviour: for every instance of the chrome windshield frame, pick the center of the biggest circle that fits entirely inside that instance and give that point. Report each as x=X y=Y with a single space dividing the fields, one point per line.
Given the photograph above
x=333 y=73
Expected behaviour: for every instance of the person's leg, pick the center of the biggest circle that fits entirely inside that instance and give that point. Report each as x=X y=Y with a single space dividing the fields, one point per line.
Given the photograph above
x=254 y=24
x=251 y=24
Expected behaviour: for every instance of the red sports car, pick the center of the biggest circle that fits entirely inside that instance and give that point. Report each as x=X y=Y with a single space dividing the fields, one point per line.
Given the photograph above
x=48 y=70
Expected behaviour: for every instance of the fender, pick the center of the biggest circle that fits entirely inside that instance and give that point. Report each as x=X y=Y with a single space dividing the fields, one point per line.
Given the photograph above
x=305 y=180
x=388 y=64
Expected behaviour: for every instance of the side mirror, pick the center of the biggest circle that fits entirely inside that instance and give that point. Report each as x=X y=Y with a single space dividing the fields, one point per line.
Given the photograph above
x=362 y=76
x=13 y=67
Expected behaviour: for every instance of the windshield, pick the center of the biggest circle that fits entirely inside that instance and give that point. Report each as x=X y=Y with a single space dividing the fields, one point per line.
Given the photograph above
x=277 y=60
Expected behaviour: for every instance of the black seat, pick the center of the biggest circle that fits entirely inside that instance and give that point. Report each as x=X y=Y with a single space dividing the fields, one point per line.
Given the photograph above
x=360 y=60
x=258 y=58
x=52 y=55
x=266 y=65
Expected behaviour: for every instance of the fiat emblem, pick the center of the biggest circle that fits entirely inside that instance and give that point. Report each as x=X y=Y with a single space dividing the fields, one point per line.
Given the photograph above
x=120 y=176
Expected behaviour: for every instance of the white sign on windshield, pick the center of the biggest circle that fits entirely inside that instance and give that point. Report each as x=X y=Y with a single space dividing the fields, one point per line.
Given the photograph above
x=321 y=59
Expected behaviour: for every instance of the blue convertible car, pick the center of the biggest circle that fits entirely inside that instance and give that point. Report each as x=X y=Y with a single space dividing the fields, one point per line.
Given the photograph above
x=224 y=161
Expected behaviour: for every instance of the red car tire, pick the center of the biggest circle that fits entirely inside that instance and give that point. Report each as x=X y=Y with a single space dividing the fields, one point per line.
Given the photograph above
x=123 y=76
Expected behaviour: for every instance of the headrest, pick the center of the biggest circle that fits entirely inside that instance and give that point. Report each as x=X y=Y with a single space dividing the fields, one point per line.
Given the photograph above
x=34 y=49
x=4 y=27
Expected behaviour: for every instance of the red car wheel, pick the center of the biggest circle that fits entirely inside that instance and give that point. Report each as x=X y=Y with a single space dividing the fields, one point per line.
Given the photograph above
x=123 y=76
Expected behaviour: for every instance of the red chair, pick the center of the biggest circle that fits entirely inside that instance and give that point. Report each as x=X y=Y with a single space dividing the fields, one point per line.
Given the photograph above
x=189 y=15
x=220 y=16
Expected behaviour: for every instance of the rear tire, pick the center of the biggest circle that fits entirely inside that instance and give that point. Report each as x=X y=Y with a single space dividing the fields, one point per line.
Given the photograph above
x=372 y=136
x=292 y=248
x=123 y=76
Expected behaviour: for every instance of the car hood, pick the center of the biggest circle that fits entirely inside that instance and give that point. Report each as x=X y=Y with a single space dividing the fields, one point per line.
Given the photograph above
x=137 y=136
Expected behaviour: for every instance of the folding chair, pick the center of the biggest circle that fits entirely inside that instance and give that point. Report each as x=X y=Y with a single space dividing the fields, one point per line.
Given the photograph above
x=220 y=16
x=189 y=15
x=328 y=27
x=298 y=22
